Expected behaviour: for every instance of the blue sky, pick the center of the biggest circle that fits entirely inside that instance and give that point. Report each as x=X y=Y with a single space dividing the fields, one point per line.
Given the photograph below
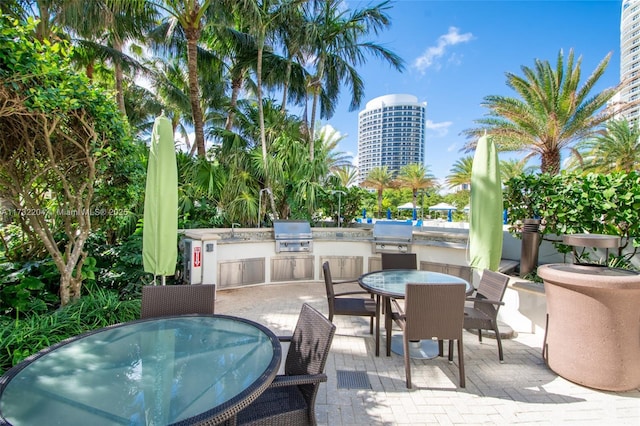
x=457 y=52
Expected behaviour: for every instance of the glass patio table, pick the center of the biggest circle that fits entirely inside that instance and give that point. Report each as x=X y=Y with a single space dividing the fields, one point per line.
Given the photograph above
x=172 y=370
x=391 y=284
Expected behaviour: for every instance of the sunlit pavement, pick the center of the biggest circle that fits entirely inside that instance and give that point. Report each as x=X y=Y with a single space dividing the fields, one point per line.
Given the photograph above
x=522 y=390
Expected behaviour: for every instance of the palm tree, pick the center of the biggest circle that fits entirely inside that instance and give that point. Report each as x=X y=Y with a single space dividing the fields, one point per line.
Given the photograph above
x=264 y=17
x=188 y=17
x=100 y=28
x=379 y=178
x=415 y=176
x=512 y=168
x=552 y=114
x=347 y=175
x=617 y=149
x=460 y=173
x=335 y=45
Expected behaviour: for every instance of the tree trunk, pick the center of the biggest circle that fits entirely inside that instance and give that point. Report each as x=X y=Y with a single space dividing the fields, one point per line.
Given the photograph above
x=551 y=162
x=236 y=85
x=118 y=76
x=263 y=135
x=312 y=125
x=285 y=88
x=193 y=35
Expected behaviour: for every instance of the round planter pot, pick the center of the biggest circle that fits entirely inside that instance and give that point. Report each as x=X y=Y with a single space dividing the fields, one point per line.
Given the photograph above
x=593 y=325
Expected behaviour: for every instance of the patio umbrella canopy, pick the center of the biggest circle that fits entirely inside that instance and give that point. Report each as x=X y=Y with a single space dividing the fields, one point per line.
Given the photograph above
x=485 y=220
x=442 y=207
x=405 y=206
x=160 y=232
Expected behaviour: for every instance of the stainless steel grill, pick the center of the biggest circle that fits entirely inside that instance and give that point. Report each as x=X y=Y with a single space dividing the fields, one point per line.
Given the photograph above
x=292 y=235
x=392 y=237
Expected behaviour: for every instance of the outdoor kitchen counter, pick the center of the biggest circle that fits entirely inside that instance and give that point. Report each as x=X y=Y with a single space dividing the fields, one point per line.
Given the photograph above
x=426 y=237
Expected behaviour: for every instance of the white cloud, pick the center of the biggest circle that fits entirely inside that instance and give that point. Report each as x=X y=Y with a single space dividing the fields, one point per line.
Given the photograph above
x=441 y=129
x=429 y=57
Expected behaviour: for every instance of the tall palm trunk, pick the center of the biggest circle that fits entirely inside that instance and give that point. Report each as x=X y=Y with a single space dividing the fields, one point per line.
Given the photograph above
x=285 y=88
x=118 y=76
x=193 y=34
x=314 y=107
x=263 y=135
x=236 y=85
x=550 y=162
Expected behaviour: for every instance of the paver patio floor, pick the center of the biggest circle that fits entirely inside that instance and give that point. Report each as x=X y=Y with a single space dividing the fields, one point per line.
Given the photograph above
x=522 y=390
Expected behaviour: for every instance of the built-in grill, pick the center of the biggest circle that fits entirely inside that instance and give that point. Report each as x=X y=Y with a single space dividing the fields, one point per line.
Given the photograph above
x=292 y=235
x=392 y=237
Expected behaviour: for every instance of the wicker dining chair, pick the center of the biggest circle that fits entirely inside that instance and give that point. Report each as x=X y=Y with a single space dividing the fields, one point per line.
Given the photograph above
x=340 y=304
x=432 y=311
x=487 y=299
x=399 y=261
x=166 y=300
x=290 y=399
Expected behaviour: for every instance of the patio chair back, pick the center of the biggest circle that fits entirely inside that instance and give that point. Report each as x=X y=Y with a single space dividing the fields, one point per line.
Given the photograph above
x=344 y=302
x=492 y=286
x=167 y=300
x=483 y=315
x=434 y=311
x=290 y=400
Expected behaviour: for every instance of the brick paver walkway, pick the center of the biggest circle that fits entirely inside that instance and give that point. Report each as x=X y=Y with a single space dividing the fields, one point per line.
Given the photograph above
x=522 y=390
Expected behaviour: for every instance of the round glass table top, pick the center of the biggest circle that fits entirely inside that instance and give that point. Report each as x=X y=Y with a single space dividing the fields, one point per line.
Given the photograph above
x=392 y=282
x=149 y=372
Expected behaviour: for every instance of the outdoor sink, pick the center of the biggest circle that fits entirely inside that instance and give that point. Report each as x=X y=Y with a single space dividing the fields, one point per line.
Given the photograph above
x=232 y=239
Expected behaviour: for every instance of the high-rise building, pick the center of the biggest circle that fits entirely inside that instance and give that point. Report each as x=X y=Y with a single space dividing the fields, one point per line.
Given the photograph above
x=391 y=132
x=630 y=57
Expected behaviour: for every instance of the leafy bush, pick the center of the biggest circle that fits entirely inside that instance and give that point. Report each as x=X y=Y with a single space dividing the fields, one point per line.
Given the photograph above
x=24 y=337
x=28 y=287
x=570 y=203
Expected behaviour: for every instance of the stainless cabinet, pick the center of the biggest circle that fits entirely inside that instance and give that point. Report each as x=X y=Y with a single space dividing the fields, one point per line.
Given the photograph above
x=375 y=264
x=233 y=273
x=343 y=267
x=292 y=268
x=461 y=271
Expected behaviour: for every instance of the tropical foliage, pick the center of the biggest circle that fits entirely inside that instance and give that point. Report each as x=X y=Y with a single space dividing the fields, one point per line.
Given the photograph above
x=553 y=113
x=63 y=142
x=571 y=203
x=379 y=179
x=616 y=149
x=415 y=177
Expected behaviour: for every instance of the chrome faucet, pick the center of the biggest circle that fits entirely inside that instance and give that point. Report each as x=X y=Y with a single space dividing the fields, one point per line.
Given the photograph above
x=233 y=225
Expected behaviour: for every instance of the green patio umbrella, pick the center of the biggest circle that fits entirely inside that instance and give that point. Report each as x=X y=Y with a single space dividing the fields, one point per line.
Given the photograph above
x=160 y=232
x=485 y=220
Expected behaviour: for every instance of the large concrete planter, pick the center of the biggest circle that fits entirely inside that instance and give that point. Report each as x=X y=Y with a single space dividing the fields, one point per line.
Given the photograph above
x=593 y=325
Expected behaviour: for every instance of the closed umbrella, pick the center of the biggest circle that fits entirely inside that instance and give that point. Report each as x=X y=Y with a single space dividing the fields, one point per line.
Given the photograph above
x=160 y=232
x=485 y=220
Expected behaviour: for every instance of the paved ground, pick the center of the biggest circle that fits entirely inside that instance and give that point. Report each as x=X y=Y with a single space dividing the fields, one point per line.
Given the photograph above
x=522 y=390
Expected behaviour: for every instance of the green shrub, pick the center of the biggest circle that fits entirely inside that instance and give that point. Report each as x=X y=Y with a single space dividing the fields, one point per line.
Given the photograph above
x=23 y=337
x=571 y=203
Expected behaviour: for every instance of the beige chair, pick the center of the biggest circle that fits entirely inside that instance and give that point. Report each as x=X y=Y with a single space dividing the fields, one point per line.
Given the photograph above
x=434 y=312
x=343 y=304
x=166 y=300
x=486 y=301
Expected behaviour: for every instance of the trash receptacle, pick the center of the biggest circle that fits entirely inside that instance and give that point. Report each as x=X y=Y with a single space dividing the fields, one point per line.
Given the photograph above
x=530 y=246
